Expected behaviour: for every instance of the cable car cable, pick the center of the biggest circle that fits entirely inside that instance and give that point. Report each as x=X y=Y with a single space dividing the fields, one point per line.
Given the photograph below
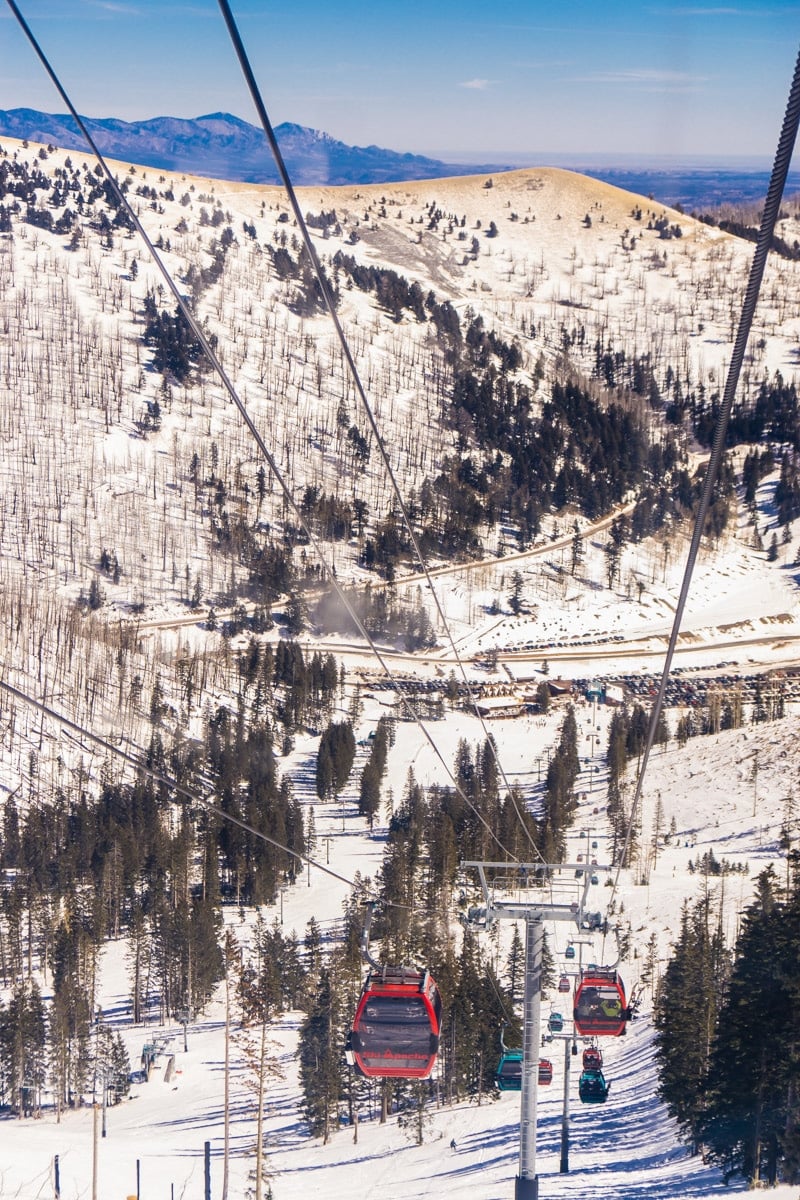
x=202 y=338
x=783 y=157
x=266 y=124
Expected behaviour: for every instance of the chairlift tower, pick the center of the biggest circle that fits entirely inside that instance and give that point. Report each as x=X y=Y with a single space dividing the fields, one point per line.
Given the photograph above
x=534 y=913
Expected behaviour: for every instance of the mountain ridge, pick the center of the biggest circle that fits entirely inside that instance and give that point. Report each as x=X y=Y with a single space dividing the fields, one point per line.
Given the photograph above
x=224 y=146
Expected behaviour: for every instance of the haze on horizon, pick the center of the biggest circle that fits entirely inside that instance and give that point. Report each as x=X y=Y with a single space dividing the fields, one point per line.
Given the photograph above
x=620 y=78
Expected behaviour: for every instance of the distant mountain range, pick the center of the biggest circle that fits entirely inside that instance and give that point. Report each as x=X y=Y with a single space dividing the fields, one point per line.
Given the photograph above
x=225 y=147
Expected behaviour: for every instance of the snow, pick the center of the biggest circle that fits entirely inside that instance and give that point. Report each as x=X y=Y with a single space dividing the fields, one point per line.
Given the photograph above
x=625 y=1149
x=91 y=466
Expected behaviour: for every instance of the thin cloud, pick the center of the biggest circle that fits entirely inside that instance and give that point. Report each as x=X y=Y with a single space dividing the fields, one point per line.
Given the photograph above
x=695 y=10
x=113 y=7
x=120 y=7
x=646 y=79
x=476 y=85
x=543 y=64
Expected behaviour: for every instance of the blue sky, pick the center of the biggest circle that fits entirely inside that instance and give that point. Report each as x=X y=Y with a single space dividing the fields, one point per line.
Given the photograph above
x=460 y=80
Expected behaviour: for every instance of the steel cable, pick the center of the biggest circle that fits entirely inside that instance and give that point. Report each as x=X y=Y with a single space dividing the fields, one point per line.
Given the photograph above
x=258 y=101
x=783 y=158
x=202 y=338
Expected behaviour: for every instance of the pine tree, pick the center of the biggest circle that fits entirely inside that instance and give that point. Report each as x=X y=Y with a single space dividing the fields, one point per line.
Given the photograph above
x=577 y=548
x=686 y=1007
x=70 y=1013
x=321 y=1055
x=515 y=966
x=475 y=1017
x=23 y=1049
x=753 y=1108
x=369 y=799
x=119 y=1070
x=515 y=599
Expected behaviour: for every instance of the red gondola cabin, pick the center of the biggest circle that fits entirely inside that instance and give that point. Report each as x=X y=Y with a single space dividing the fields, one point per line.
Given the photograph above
x=592 y=1059
x=545 y=1072
x=396 y=1028
x=600 y=1009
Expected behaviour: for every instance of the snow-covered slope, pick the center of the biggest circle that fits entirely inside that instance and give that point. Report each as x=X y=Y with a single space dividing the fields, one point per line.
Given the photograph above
x=87 y=467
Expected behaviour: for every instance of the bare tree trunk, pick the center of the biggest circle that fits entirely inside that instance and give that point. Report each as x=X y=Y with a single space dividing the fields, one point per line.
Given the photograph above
x=262 y=1064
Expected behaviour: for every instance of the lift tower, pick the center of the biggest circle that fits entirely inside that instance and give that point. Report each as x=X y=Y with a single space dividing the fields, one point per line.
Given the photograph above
x=533 y=912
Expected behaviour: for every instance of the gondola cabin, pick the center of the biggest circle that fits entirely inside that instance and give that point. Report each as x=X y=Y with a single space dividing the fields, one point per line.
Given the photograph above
x=396 y=1028
x=556 y=1023
x=508 y=1076
x=592 y=1058
x=569 y=952
x=592 y=1087
x=564 y=984
x=600 y=1008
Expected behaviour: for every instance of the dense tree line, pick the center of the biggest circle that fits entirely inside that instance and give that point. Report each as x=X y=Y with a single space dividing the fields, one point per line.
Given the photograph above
x=198 y=279
x=429 y=833
x=627 y=735
x=727 y=1046
x=335 y=757
x=750 y=233
x=369 y=797
x=137 y=861
x=769 y=415
x=687 y=1004
x=393 y=292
